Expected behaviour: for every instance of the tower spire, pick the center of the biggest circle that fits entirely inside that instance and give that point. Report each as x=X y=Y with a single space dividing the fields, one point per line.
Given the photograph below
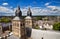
x=29 y=13
x=18 y=7
x=18 y=11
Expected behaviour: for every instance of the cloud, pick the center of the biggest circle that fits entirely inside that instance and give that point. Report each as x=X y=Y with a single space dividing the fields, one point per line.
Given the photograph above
x=46 y=4
x=34 y=10
x=5 y=4
x=6 y=11
x=52 y=7
x=41 y=11
x=52 y=10
x=11 y=7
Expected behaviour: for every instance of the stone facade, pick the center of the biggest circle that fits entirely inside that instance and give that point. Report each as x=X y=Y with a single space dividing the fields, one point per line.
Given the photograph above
x=28 y=22
x=16 y=27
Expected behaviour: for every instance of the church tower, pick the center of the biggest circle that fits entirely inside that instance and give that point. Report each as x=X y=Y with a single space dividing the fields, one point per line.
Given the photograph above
x=18 y=26
x=16 y=23
x=28 y=19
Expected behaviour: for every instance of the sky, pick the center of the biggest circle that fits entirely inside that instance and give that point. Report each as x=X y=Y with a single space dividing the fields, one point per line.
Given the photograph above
x=38 y=7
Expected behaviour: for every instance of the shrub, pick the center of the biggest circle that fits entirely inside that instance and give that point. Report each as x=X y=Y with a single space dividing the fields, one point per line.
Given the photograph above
x=56 y=26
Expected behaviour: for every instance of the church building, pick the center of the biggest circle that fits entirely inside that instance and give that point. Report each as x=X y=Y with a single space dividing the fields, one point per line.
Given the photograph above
x=19 y=24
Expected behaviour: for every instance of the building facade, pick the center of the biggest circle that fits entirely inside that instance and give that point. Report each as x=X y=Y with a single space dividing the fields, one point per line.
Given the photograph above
x=19 y=24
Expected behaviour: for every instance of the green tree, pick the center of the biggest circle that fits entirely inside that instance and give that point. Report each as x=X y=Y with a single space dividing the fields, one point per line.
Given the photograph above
x=4 y=20
x=56 y=26
x=39 y=18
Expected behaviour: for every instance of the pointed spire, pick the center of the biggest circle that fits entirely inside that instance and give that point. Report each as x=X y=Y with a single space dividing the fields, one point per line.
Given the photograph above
x=18 y=7
x=29 y=9
x=29 y=13
x=18 y=11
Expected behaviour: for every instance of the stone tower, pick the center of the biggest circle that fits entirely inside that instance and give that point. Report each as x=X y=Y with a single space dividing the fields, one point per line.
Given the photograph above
x=18 y=27
x=16 y=23
x=28 y=19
